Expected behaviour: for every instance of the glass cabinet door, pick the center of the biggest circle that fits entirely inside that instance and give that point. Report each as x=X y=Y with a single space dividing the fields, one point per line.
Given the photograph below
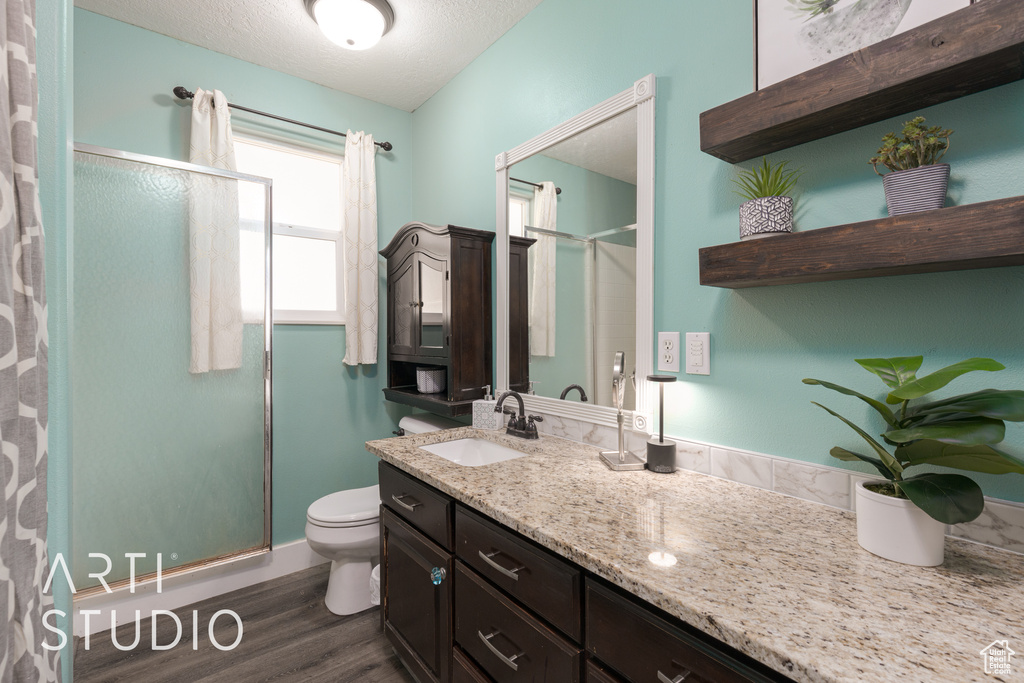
x=432 y=298
x=404 y=304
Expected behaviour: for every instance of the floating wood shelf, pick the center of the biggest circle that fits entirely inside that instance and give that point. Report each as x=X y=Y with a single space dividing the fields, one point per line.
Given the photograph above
x=970 y=50
x=985 y=235
x=432 y=403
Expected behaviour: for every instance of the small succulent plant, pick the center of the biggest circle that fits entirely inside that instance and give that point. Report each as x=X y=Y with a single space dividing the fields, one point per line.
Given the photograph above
x=918 y=146
x=766 y=180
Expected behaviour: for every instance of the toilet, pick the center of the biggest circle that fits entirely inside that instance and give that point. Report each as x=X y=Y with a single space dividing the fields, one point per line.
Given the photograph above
x=344 y=527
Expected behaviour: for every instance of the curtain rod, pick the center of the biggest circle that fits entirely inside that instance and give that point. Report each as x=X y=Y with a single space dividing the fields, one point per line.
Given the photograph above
x=184 y=94
x=558 y=190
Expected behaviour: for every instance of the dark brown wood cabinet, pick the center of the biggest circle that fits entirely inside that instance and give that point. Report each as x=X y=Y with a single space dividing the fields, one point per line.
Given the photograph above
x=416 y=585
x=439 y=314
x=519 y=314
x=466 y=600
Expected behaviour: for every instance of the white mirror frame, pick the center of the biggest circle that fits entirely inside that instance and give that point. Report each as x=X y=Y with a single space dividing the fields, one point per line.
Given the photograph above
x=641 y=96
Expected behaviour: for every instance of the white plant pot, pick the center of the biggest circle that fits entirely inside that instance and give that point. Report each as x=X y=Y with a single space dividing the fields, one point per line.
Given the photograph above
x=766 y=216
x=898 y=530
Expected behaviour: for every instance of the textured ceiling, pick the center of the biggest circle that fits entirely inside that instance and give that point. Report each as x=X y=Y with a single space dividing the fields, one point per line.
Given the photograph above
x=430 y=43
x=608 y=148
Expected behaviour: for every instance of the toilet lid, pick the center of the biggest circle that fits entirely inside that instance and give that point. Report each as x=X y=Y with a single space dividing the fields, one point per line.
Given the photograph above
x=346 y=508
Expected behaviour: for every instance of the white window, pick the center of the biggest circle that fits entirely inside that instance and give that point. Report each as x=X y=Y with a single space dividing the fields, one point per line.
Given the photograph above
x=308 y=274
x=519 y=213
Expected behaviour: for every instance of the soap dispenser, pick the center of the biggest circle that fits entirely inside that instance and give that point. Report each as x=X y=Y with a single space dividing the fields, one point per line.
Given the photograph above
x=484 y=416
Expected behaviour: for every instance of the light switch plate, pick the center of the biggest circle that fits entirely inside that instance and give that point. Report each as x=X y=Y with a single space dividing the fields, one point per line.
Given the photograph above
x=668 y=352
x=698 y=353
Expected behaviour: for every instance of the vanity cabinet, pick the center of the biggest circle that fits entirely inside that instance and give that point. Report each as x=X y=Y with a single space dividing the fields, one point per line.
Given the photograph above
x=416 y=584
x=506 y=609
x=439 y=314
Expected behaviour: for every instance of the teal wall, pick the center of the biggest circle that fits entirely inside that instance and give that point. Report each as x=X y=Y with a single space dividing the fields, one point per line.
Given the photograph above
x=323 y=411
x=54 y=22
x=568 y=55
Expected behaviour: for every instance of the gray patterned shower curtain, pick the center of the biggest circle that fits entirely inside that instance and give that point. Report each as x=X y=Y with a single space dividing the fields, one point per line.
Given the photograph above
x=23 y=385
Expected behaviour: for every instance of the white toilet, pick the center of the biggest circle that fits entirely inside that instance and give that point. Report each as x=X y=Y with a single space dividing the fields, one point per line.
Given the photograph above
x=344 y=527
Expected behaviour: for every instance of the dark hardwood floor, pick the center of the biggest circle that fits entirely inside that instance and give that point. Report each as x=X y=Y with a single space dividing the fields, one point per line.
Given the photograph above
x=287 y=635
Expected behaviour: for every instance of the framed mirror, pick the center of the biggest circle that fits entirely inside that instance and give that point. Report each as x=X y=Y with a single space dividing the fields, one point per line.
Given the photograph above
x=581 y=195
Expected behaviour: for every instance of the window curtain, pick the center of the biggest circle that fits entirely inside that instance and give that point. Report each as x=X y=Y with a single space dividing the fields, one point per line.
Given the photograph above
x=360 y=228
x=23 y=352
x=542 y=286
x=214 y=280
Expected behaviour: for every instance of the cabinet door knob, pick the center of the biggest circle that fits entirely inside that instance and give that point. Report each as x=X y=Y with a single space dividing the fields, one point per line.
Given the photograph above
x=437 y=575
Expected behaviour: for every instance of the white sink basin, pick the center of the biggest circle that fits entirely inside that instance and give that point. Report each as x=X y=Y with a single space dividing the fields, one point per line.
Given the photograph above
x=473 y=452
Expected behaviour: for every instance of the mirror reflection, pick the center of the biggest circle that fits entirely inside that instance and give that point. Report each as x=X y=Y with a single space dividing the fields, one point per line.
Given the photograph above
x=578 y=200
x=432 y=304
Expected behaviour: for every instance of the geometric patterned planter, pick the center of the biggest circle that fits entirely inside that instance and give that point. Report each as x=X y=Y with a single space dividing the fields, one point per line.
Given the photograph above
x=766 y=216
x=916 y=189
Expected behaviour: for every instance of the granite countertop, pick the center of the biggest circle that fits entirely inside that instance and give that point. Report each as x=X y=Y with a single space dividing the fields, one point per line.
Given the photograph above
x=780 y=579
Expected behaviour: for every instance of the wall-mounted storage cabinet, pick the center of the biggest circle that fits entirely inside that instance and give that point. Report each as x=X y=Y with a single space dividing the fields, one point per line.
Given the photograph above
x=439 y=314
x=967 y=51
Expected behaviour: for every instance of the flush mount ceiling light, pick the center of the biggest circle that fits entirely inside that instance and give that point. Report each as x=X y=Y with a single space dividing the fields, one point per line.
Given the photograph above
x=352 y=24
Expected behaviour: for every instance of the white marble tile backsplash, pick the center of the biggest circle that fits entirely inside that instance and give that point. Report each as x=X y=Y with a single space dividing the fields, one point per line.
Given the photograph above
x=1001 y=525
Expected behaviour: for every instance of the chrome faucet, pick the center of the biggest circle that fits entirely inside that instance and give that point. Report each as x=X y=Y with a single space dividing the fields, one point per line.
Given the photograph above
x=519 y=425
x=583 y=394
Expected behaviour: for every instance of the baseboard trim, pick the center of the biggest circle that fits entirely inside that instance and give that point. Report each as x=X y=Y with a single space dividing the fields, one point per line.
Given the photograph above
x=190 y=587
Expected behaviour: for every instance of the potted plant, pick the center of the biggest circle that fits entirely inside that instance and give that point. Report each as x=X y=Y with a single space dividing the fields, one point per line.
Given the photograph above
x=769 y=209
x=902 y=517
x=917 y=181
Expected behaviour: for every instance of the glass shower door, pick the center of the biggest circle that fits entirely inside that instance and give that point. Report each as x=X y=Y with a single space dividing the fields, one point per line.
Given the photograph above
x=166 y=461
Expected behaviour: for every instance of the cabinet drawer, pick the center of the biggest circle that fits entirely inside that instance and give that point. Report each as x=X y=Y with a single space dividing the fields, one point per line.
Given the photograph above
x=538 y=579
x=508 y=643
x=597 y=674
x=465 y=671
x=642 y=646
x=428 y=510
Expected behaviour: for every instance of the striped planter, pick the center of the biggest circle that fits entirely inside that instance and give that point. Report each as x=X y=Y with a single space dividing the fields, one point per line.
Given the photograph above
x=766 y=216
x=916 y=189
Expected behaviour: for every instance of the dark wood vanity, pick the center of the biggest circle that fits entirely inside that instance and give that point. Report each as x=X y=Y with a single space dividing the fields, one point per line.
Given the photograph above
x=465 y=599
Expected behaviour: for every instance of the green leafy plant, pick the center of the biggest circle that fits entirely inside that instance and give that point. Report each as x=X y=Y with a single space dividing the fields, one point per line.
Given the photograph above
x=918 y=146
x=814 y=8
x=956 y=432
x=766 y=180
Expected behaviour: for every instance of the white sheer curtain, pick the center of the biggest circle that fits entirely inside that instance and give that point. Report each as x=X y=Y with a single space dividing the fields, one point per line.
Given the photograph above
x=360 y=228
x=542 y=287
x=215 y=295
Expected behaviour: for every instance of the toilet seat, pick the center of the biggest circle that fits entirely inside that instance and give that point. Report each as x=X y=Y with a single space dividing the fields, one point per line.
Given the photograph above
x=356 y=507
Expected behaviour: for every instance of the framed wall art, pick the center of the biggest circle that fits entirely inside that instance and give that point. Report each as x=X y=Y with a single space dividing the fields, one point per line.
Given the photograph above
x=792 y=36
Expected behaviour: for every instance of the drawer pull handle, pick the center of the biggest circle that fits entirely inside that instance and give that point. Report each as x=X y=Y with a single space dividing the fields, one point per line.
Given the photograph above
x=662 y=678
x=497 y=653
x=398 y=499
x=510 y=573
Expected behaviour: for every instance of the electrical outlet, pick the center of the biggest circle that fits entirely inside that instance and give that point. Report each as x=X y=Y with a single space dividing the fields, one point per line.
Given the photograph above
x=698 y=353
x=668 y=351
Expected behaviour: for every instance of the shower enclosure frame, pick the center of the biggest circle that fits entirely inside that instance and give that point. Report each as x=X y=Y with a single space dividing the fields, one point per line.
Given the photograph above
x=267 y=355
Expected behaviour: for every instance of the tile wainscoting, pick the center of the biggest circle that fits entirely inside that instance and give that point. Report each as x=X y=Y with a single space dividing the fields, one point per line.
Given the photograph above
x=1001 y=525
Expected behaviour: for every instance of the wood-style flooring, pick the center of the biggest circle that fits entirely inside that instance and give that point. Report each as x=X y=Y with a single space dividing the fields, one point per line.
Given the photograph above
x=287 y=635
